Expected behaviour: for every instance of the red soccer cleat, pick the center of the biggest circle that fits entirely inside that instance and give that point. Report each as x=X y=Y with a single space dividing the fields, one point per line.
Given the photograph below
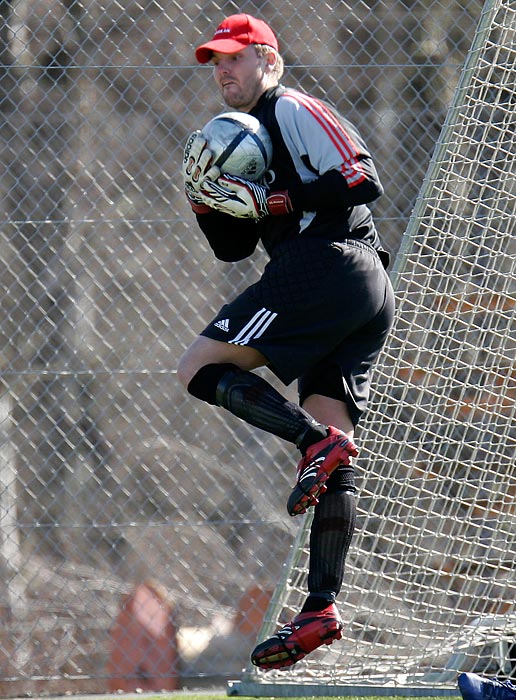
x=320 y=461
x=294 y=641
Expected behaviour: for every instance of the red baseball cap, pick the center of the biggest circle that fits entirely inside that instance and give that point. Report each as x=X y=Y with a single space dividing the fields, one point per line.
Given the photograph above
x=234 y=34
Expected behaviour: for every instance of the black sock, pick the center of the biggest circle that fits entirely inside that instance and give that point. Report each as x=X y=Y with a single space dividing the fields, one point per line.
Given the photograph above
x=330 y=537
x=318 y=601
x=248 y=396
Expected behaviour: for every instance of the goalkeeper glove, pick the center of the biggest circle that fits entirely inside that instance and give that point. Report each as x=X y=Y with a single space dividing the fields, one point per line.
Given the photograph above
x=197 y=162
x=196 y=200
x=244 y=199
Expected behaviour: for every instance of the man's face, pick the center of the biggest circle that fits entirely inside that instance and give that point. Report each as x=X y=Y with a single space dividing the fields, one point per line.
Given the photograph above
x=242 y=77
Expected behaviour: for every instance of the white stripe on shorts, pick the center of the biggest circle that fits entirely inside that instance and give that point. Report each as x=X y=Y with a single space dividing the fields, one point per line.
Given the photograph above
x=256 y=326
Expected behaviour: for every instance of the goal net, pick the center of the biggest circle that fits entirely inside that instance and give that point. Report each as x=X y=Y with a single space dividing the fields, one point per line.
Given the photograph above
x=430 y=585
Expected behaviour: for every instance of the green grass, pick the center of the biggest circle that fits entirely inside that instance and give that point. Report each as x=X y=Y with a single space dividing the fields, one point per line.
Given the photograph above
x=203 y=696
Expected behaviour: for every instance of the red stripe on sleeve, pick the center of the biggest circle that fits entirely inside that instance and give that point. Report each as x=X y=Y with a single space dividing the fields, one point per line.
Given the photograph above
x=350 y=168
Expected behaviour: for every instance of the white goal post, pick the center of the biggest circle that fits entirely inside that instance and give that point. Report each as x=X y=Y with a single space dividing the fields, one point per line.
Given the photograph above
x=430 y=585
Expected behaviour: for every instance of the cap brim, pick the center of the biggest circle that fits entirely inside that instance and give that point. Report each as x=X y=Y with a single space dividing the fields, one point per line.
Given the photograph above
x=204 y=53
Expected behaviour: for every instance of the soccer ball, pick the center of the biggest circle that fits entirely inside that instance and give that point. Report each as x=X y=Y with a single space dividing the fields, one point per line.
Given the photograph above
x=241 y=145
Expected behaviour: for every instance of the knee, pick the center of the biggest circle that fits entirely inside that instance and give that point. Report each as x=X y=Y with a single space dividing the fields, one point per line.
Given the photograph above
x=185 y=369
x=201 y=352
x=205 y=382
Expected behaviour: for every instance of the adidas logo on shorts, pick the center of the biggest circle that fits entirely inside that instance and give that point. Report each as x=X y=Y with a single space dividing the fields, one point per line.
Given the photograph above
x=223 y=325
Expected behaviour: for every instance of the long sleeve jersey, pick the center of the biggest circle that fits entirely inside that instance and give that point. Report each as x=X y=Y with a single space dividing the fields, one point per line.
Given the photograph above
x=322 y=161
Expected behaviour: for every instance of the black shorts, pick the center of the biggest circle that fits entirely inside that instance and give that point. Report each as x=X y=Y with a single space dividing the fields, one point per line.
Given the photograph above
x=320 y=313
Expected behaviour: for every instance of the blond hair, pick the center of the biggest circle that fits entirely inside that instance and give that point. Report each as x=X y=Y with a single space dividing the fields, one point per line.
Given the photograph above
x=279 y=66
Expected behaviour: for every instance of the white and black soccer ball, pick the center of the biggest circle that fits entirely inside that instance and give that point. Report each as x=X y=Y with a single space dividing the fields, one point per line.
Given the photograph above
x=241 y=145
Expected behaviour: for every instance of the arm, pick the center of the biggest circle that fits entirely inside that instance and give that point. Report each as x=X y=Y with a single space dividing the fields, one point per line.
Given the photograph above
x=329 y=154
x=231 y=239
x=331 y=191
x=335 y=169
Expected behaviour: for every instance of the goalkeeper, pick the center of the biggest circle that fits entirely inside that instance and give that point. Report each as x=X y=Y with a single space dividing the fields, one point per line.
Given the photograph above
x=319 y=314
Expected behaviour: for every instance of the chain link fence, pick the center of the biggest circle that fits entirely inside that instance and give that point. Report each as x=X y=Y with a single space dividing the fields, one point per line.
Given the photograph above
x=110 y=476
